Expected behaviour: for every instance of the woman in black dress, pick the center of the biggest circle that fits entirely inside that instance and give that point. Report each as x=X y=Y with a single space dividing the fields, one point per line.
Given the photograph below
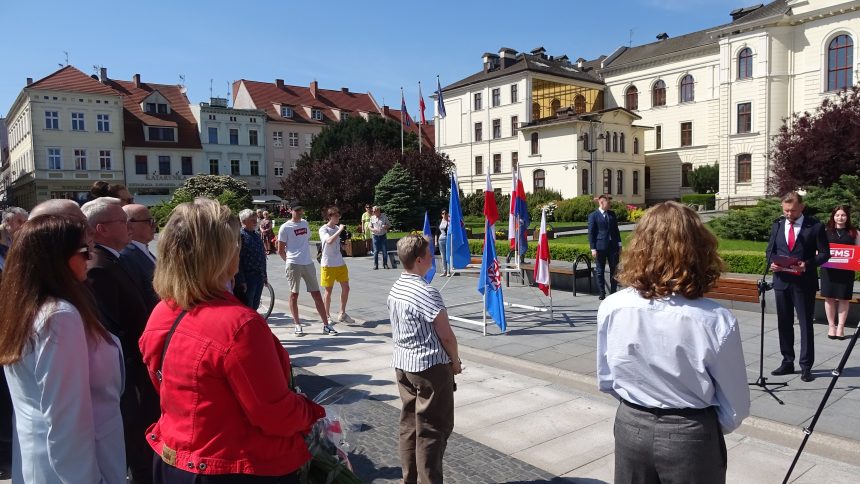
x=837 y=285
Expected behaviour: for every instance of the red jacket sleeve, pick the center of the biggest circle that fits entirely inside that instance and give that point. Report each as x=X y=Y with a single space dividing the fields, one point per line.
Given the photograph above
x=255 y=371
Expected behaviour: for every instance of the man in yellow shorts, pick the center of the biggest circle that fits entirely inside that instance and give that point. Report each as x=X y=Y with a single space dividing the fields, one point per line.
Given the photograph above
x=332 y=266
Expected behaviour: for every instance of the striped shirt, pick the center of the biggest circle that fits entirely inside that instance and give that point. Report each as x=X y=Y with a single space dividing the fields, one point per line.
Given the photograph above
x=412 y=306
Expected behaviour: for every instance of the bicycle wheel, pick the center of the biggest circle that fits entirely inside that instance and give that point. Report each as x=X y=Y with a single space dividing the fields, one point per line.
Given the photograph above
x=267 y=301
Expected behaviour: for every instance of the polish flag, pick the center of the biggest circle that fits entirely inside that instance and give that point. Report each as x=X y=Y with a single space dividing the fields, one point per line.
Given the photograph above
x=512 y=218
x=491 y=211
x=542 y=258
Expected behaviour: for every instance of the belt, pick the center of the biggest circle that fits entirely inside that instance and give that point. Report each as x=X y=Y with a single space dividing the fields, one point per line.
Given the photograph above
x=683 y=412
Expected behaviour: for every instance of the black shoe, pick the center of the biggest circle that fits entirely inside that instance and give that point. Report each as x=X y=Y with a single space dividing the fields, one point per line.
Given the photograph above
x=784 y=369
x=601 y=297
x=386 y=267
x=806 y=375
x=376 y=268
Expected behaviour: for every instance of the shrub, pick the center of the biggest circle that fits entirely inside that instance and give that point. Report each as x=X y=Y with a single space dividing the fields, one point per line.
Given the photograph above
x=709 y=200
x=536 y=200
x=743 y=261
x=396 y=194
x=705 y=179
x=752 y=223
x=635 y=214
x=621 y=211
x=575 y=209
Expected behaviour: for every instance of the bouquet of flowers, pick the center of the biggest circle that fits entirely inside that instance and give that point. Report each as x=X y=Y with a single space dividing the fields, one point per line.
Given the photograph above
x=328 y=444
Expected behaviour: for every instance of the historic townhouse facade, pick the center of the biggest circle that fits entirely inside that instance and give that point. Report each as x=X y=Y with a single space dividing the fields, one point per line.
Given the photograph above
x=720 y=95
x=294 y=115
x=547 y=116
x=65 y=131
x=233 y=142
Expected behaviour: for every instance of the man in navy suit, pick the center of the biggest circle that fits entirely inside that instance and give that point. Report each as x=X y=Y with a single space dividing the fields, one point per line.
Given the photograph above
x=795 y=281
x=605 y=241
x=136 y=257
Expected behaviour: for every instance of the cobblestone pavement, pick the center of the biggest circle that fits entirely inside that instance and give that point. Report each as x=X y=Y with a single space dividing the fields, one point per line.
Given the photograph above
x=374 y=439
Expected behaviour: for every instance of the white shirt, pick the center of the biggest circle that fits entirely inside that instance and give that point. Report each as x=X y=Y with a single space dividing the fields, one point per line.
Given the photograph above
x=331 y=256
x=296 y=235
x=143 y=248
x=377 y=224
x=797 y=224
x=672 y=353
x=413 y=306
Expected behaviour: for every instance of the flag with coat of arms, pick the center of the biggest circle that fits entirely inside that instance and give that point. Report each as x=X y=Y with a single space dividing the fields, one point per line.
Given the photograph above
x=490 y=279
x=518 y=219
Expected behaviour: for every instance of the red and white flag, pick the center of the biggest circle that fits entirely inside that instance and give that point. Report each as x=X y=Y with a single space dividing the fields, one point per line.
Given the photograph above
x=421 y=106
x=491 y=211
x=542 y=258
x=512 y=218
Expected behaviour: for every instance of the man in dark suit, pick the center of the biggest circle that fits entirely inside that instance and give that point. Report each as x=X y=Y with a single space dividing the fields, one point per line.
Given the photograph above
x=136 y=257
x=798 y=245
x=605 y=241
x=123 y=312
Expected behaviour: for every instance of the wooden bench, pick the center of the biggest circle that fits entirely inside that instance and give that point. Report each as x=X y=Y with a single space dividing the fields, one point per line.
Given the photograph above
x=735 y=289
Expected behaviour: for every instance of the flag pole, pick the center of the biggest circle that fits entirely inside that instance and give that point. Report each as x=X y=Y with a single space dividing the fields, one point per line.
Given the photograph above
x=401 y=122
x=420 y=115
x=486 y=236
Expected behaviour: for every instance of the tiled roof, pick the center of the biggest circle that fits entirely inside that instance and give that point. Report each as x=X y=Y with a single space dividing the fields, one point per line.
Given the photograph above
x=630 y=55
x=71 y=79
x=135 y=118
x=427 y=131
x=265 y=95
x=533 y=63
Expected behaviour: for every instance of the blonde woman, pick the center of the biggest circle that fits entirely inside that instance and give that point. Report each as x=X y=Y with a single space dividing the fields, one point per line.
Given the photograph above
x=228 y=410
x=672 y=357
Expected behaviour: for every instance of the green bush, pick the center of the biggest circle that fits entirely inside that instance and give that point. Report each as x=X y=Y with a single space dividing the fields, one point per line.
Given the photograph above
x=396 y=193
x=743 y=261
x=705 y=179
x=622 y=213
x=709 y=200
x=752 y=223
x=536 y=200
x=575 y=209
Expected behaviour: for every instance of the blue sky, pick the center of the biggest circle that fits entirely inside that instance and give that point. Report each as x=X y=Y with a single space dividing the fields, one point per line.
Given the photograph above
x=375 y=46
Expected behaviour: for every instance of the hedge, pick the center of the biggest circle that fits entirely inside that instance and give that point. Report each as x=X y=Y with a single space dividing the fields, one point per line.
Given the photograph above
x=709 y=200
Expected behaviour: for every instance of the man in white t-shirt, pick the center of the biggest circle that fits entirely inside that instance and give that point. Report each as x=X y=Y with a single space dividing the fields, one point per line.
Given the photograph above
x=332 y=267
x=294 y=249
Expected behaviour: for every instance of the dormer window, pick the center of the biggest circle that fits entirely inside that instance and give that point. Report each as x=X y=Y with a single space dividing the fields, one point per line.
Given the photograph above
x=286 y=111
x=156 y=108
x=160 y=134
x=317 y=114
x=344 y=116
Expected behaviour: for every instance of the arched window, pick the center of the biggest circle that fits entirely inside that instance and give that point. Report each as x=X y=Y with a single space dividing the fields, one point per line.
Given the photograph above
x=744 y=168
x=535 y=143
x=607 y=181
x=585 y=141
x=608 y=142
x=621 y=142
x=636 y=182
x=619 y=182
x=687 y=89
x=539 y=177
x=658 y=93
x=554 y=106
x=635 y=146
x=686 y=170
x=840 y=58
x=615 y=142
x=586 y=182
x=631 y=98
x=745 y=63
x=579 y=104
x=535 y=111
x=647 y=178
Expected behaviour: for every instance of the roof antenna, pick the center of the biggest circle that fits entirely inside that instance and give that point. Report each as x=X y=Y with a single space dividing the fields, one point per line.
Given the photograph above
x=67 y=59
x=227 y=97
x=630 y=41
x=181 y=79
x=210 y=87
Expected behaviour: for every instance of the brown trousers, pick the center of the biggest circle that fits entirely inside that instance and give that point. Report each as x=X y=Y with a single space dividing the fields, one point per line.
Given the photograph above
x=426 y=422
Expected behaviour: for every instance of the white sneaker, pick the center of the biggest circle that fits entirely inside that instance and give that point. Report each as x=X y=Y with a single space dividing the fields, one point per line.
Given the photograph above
x=298 y=331
x=328 y=329
x=344 y=318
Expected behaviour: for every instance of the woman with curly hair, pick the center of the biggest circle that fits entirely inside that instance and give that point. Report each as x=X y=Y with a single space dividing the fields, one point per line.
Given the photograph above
x=672 y=357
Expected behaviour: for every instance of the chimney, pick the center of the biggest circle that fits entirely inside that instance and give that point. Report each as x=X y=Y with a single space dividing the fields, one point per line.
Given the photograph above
x=103 y=78
x=344 y=90
x=385 y=111
x=279 y=83
x=507 y=57
x=136 y=79
x=29 y=81
x=491 y=61
x=579 y=63
x=314 y=86
x=662 y=36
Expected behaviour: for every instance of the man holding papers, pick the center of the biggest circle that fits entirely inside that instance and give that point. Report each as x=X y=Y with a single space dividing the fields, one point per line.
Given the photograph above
x=798 y=245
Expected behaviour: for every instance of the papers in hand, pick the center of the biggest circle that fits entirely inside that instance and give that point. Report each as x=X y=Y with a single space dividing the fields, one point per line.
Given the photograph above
x=785 y=262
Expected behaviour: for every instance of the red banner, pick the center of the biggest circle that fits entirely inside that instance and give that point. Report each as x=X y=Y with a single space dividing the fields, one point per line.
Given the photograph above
x=846 y=257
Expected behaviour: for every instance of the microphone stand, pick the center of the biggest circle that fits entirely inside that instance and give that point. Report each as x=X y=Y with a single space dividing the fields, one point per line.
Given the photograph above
x=763 y=287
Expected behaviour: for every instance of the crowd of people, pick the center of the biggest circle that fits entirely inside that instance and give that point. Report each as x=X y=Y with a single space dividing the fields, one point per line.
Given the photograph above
x=121 y=366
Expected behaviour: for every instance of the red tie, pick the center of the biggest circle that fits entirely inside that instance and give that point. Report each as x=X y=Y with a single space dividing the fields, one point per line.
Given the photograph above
x=791 y=237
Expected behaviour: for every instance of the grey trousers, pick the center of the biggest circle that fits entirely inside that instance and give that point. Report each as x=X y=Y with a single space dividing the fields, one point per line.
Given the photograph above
x=426 y=422
x=668 y=446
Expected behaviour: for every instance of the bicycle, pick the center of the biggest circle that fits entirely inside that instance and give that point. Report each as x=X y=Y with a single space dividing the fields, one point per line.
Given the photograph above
x=267 y=301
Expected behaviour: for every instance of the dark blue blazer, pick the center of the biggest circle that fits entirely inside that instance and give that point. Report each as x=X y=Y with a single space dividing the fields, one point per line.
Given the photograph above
x=142 y=269
x=810 y=246
x=603 y=232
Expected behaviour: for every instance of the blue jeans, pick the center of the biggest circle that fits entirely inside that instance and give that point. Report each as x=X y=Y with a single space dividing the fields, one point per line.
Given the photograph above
x=443 y=251
x=380 y=244
x=253 y=292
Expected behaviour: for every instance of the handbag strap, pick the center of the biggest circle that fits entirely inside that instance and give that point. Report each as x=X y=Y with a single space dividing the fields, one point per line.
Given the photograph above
x=158 y=372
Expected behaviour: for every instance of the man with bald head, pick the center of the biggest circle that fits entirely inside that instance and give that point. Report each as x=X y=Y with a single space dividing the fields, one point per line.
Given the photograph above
x=59 y=206
x=136 y=257
x=123 y=312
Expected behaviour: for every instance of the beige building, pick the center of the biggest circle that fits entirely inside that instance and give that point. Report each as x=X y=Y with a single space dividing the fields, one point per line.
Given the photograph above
x=295 y=114
x=65 y=132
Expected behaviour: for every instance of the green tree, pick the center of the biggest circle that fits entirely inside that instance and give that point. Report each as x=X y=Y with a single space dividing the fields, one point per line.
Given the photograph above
x=375 y=132
x=706 y=179
x=396 y=194
x=227 y=190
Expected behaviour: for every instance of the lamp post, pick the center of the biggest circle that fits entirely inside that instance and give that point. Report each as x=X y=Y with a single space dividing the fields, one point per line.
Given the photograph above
x=591 y=147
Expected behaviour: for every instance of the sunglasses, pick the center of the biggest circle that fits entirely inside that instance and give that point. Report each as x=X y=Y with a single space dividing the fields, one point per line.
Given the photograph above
x=150 y=221
x=85 y=251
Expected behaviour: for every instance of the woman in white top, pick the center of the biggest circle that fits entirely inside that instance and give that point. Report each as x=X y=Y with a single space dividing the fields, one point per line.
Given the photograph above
x=332 y=266
x=64 y=369
x=672 y=357
x=442 y=243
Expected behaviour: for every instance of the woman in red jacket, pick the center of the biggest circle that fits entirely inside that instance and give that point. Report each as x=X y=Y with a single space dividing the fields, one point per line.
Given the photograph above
x=228 y=413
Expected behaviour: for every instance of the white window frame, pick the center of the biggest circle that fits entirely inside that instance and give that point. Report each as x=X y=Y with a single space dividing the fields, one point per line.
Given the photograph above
x=55 y=158
x=80 y=159
x=103 y=123
x=286 y=112
x=52 y=120
x=105 y=161
x=317 y=114
x=293 y=139
x=78 y=122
